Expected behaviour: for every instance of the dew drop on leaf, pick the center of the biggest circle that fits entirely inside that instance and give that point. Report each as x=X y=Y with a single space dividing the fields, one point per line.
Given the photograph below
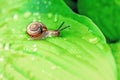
x=49 y=3
x=6 y=46
x=53 y=67
x=1 y=77
x=43 y=71
x=34 y=20
x=13 y=30
x=37 y=7
x=1 y=59
x=15 y=17
x=33 y=58
x=27 y=14
x=93 y=40
x=35 y=45
x=26 y=49
x=38 y=2
x=36 y=14
x=50 y=15
x=56 y=18
x=45 y=2
x=35 y=49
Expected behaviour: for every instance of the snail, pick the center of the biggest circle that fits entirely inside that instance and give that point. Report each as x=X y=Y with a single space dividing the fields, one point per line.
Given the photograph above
x=37 y=30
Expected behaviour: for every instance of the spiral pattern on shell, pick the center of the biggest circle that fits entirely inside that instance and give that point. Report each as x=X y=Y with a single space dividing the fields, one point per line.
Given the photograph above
x=35 y=29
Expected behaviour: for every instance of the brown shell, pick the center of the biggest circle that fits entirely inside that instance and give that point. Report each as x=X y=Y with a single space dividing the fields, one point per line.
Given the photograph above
x=35 y=29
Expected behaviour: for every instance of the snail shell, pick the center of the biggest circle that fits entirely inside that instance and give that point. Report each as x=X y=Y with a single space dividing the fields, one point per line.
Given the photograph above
x=35 y=29
x=38 y=31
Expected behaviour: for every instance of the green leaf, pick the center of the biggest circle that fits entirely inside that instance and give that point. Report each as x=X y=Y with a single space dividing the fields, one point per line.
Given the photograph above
x=105 y=14
x=79 y=53
x=116 y=52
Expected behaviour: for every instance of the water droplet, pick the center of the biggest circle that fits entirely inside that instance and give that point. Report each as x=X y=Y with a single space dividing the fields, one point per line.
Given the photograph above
x=15 y=17
x=29 y=39
x=27 y=14
x=1 y=77
x=49 y=3
x=46 y=6
x=64 y=39
x=35 y=45
x=37 y=7
x=45 y=2
x=36 y=14
x=91 y=31
x=1 y=59
x=43 y=71
x=53 y=67
x=50 y=15
x=13 y=29
x=6 y=46
x=34 y=19
x=26 y=49
x=32 y=58
x=56 y=18
x=93 y=40
x=38 y=2
x=34 y=49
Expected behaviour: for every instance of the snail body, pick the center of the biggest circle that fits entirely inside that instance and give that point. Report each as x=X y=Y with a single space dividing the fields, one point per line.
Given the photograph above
x=37 y=30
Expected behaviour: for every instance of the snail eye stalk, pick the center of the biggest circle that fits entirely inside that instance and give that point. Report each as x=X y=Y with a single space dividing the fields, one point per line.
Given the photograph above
x=60 y=27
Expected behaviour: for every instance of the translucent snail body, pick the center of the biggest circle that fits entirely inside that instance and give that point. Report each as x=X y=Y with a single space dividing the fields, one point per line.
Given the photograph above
x=37 y=30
